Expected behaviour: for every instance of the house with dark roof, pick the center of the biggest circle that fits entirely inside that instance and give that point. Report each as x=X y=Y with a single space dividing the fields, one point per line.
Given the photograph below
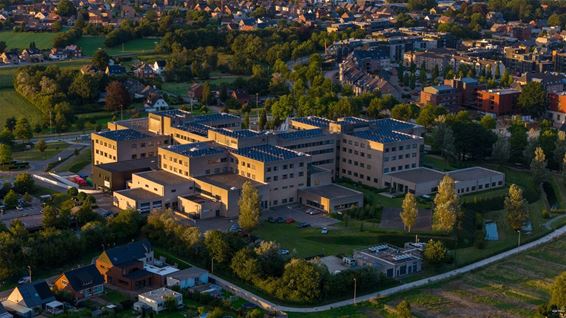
x=82 y=283
x=29 y=297
x=123 y=266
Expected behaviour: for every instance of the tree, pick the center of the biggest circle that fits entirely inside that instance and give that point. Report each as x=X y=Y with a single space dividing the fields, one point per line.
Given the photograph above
x=405 y=111
x=24 y=183
x=515 y=207
x=446 y=206
x=217 y=246
x=435 y=252
x=300 y=282
x=10 y=123
x=23 y=129
x=246 y=120
x=518 y=141
x=117 y=97
x=558 y=291
x=262 y=122
x=66 y=8
x=41 y=145
x=500 y=151
x=11 y=199
x=488 y=122
x=205 y=98
x=538 y=165
x=245 y=264
x=249 y=205
x=428 y=114
x=5 y=154
x=409 y=211
x=403 y=309
x=532 y=100
x=100 y=59
x=448 y=145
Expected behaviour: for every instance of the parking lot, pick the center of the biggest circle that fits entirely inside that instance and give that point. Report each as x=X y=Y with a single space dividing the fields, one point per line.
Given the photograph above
x=299 y=214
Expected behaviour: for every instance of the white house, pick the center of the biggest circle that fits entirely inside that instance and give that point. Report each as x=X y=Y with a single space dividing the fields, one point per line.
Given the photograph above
x=155 y=104
x=156 y=300
x=188 y=278
x=158 y=67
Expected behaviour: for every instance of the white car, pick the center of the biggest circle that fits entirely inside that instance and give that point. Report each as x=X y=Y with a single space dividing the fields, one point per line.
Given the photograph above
x=324 y=230
x=283 y=251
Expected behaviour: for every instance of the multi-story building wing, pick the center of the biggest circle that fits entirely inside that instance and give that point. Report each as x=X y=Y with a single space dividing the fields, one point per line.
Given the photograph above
x=124 y=144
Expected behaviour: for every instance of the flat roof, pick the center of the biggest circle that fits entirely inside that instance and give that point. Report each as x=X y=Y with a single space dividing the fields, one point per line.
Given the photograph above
x=382 y=136
x=123 y=134
x=129 y=165
x=196 y=149
x=239 y=133
x=139 y=194
x=161 y=271
x=228 y=180
x=333 y=191
x=188 y=273
x=313 y=121
x=301 y=134
x=473 y=173
x=418 y=175
x=163 y=177
x=268 y=153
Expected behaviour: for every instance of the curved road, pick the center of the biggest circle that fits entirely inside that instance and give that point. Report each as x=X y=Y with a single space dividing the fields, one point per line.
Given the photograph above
x=387 y=292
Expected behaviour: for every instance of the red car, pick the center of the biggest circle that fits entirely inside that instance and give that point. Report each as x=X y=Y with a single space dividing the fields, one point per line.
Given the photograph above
x=290 y=220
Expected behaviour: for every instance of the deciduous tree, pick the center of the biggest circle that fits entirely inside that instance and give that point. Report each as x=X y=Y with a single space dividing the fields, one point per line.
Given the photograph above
x=435 y=252
x=403 y=309
x=249 y=205
x=558 y=291
x=117 y=97
x=41 y=145
x=409 y=211
x=515 y=207
x=5 y=154
x=446 y=206
x=538 y=165
x=23 y=129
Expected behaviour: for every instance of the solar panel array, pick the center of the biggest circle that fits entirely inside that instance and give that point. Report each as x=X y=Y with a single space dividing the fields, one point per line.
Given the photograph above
x=196 y=149
x=314 y=121
x=300 y=134
x=381 y=135
x=240 y=133
x=267 y=153
x=199 y=129
x=123 y=134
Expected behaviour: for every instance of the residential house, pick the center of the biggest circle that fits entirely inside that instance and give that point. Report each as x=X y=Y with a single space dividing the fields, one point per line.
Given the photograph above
x=156 y=300
x=144 y=71
x=57 y=54
x=155 y=102
x=123 y=266
x=241 y=96
x=188 y=278
x=29 y=299
x=82 y=283
x=31 y=55
x=9 y=58
x=115 y=70
x=159 y=67
x=195 y=92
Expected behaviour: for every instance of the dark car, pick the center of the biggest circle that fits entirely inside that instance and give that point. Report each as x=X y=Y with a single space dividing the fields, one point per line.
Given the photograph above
x=280 y=220
x=290 y=220
x=303 y=225
x=271 y=219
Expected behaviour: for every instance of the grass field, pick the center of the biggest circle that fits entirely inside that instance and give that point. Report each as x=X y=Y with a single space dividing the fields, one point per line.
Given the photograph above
x=14 y=105
x=34 y=154
x=21 y=40
x=511 y=288
x=76 y=163
x=90 y=44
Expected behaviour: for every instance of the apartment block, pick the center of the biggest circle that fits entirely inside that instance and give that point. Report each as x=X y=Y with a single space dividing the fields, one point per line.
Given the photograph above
x=444 y=95
x=498 y=101
x=467 y=90
x=557 y=108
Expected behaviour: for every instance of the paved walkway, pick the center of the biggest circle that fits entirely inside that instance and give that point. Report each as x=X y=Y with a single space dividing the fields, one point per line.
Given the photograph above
x=394 y=290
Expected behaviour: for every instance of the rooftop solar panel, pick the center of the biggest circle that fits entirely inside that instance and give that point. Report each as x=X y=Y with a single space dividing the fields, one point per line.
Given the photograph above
x=196 y=149
x=314 y=120
x=300 y=134
x=123 y=134
x=267 y=153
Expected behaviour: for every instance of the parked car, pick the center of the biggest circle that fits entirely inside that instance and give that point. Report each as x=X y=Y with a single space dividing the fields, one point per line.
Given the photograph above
x=324 y=230
x=303 y=225
x=290 y=220
x=270 y=219
x=280 y=219
x=313 y=212
x=283 y=251
x=234 y=228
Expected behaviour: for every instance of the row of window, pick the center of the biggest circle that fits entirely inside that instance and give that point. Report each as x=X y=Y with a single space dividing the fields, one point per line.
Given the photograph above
x=105 y=154
x=284 y=176
x=359 y=175
x=407 y=155
x=400 y=148
x=105 y=144
x=285 y=166
x=309 y=144
x=480 y=187
x=355 y=152
x=360 y=164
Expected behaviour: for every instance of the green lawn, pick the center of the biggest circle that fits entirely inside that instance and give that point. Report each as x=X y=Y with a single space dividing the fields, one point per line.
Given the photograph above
x=21 y=40
x=90 y=44
x=76 y=163
x=15 y=105
x=340 y=240
x=34 y=154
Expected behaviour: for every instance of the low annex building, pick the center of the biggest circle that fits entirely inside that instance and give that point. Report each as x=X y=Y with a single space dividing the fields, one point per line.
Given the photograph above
x=424 y=181
x=392 y=261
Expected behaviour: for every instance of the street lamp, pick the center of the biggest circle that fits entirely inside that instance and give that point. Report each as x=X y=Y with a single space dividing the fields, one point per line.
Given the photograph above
x=519 y=239
x=355 y=287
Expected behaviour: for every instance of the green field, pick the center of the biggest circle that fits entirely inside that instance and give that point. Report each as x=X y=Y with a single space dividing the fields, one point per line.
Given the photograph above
x=34 y=154
x=90 y=44
x=511 y=288
x=21 y=40
x=14 y=105
x=76 y=163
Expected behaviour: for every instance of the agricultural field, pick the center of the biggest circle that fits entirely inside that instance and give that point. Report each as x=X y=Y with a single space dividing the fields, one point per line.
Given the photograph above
x=14 y=105
x=511 y=288
x=21 y=40
x=90 y=44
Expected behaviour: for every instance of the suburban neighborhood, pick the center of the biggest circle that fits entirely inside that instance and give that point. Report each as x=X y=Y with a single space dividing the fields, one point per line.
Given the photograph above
x=369 y=158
